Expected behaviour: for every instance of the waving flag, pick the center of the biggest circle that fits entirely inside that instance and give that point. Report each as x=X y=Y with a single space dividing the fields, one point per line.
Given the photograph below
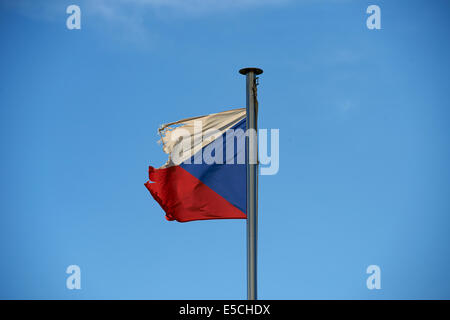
x=205 y=175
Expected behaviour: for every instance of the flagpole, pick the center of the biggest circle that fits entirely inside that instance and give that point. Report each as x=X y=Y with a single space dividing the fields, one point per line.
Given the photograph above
x=252 y=180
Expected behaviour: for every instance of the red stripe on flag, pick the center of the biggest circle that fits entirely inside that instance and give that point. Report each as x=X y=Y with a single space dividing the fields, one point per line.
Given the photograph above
x=185 y=198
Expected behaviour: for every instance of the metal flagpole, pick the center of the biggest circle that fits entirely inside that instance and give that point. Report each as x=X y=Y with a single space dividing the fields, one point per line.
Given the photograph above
x=252 y=180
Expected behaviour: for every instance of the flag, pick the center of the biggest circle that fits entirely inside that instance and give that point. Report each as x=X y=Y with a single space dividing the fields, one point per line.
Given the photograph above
x=205 y=175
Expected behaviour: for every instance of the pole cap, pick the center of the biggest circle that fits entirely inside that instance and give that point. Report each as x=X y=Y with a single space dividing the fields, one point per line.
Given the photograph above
x=244 y=71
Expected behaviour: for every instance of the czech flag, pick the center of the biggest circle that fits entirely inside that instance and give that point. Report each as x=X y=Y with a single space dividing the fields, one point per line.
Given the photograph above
x=205 y=175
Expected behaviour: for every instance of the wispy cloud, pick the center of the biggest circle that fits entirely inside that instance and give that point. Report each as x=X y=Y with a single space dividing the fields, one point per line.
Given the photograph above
x=346 y=106
x=125 y=19
x=116 y=8
x=198 y=6
x=130 y=10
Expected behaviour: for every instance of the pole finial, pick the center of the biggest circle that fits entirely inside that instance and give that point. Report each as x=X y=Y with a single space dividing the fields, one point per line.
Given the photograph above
x=244 y=71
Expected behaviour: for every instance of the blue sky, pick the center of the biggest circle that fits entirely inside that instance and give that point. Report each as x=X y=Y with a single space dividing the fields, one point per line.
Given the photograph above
x=364 y=147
